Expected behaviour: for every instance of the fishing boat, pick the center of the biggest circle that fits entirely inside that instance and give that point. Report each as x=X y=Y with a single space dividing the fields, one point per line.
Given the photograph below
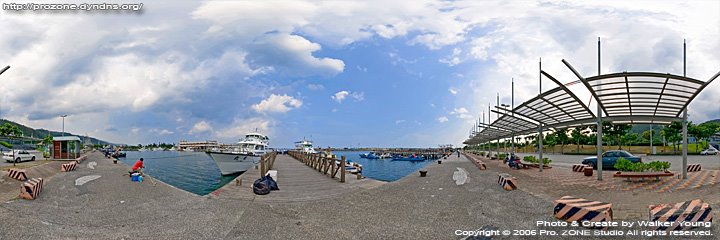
x=244 y=156
x=372 y=156
x=386 y=155
x=363 y=155
x=350 y=167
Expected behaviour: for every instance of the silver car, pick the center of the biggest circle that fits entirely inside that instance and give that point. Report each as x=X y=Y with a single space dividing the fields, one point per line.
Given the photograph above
x=709 y=151
x=18 y=156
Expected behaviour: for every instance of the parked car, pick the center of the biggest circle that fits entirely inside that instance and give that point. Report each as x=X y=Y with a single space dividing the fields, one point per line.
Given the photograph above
x=609 y=158
x=709 y=151
x=18 y=156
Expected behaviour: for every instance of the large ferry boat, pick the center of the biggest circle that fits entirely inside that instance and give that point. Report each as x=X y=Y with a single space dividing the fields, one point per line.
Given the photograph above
x=242 y=157
x=305 y=146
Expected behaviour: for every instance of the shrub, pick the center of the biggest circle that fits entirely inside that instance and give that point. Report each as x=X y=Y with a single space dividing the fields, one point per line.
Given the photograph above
x=623 y=164
x=530 y=159
x=502 y=156
x=5 y=144
x=546 y=161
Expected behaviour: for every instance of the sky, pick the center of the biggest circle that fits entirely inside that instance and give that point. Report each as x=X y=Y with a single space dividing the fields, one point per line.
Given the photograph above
x=342 y=73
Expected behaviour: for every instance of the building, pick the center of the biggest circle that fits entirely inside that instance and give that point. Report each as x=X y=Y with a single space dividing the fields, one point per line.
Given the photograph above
x=66 y=148
x=197 y=146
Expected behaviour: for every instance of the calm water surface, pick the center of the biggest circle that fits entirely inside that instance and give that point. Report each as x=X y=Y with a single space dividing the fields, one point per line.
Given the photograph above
x=194 y=172
x=383 y=169
x=197 y=173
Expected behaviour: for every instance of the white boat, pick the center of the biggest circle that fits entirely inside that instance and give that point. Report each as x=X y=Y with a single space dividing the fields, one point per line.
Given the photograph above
x=305 y=146
x=244 y=156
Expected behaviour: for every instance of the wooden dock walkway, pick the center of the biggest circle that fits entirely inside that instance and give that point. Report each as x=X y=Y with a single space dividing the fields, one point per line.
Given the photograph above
x=297 y=182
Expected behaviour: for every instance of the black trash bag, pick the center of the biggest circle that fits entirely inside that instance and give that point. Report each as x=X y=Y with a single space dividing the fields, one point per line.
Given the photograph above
x=260 y=187
x=271 y=183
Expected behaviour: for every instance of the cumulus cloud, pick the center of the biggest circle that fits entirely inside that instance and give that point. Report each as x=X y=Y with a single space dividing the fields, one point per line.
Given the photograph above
x=277 y=104
x=186 y=66
x=442 y=119
x=241 y=126
x=200 y=127
x=293 y=55
x=453 y=91
x=461 y=113
x=342 y=95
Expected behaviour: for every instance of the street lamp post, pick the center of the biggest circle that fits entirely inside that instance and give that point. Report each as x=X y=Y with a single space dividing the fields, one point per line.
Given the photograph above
x=63 y=123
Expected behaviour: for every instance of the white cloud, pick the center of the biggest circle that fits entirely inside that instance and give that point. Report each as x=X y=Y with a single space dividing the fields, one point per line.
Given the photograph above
x=453 y=59
x=358 y=96
x=292 y=55
x=161 y=132
x=277 y=104
x=200 y=127
x=442 y=119
x=453 y=91
x=461 y=113
x=241 y=126
x=401 y=121
x=340 y=96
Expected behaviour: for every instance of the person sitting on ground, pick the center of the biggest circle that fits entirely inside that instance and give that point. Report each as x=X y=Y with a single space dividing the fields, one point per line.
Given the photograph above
x=137 y=167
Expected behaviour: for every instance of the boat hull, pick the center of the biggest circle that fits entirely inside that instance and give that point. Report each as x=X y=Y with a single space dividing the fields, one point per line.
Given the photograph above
x=232 y=163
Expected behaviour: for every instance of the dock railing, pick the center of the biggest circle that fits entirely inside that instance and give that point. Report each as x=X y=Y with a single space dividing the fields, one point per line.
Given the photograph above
x=266 y=162
x=324 y=165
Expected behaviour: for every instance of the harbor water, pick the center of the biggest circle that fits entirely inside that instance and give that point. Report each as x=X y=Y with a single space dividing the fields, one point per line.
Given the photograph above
x=194 y=172
x=197 y=173
x=383 y=169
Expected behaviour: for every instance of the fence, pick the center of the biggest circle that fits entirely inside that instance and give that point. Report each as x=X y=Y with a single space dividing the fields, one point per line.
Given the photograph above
x=266 y=162
x=326 y=166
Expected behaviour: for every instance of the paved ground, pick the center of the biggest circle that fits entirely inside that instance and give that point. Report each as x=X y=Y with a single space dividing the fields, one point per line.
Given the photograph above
x=630 y=199
x=433 y=207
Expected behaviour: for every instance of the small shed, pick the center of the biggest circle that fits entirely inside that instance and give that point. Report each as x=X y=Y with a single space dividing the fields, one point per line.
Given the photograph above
x=66 y=148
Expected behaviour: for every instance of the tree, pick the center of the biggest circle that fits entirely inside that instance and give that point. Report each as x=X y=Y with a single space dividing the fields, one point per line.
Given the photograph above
x=550 y=140
x=630 y=139
x=576 y=135
x=696 y=132
x=672 y=133
x=707 y=130
x=9 y=129
x=562 y=137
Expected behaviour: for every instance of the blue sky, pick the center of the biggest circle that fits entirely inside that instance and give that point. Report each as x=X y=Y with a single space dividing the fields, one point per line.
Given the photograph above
x=344 y=73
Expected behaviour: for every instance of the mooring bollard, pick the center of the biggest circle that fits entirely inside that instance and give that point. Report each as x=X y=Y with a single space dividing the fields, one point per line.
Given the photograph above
x=439 y=161
x=423 y=173
x=238 y=181
x=359 y=176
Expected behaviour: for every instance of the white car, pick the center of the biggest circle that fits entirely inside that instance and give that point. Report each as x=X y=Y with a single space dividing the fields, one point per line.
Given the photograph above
x=709 y=151
x=19 y=156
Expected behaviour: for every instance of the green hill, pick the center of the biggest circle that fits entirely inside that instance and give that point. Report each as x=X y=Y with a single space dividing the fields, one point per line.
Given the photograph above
x=40 y=133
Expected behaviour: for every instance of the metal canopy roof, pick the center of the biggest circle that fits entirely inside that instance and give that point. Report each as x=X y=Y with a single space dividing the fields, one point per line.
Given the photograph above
x=626 y=97
x=642 y=97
